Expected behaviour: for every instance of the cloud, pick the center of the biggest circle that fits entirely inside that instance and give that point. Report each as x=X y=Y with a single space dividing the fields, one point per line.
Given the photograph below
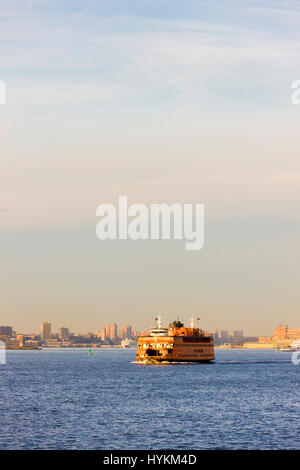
x=143 y=61
x=135 y=102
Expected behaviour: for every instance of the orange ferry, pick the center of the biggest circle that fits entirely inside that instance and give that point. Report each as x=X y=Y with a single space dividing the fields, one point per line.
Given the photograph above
x=175 y=344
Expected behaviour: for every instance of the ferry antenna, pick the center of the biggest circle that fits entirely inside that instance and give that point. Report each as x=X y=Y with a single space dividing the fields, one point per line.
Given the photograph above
x=158 y=321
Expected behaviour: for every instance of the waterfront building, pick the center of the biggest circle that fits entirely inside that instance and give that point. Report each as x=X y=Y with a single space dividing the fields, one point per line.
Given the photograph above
x=52 y=343
x=45 y=330
x=66 y=344
x=113 y=332
x=9 y=341
x=284 y=333
x=6 y=330
x=63 y=333
x=30 y=343
x=283 y=336
x=238 y=337
x=126 y=332
x=20 y=339
x=102 y=334
x=224 y=336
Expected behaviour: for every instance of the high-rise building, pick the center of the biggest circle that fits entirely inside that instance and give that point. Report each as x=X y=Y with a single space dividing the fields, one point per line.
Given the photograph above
x=126 y=332
x=103 y=333
x=45 y=330
x=6 y=330
x=20 y=339
x=238 y=337
x=63 y=333
x=113 y=332
x=238 y=334
x=224 y=336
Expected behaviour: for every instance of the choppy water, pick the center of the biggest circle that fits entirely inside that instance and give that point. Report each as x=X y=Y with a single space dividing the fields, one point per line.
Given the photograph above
x=66 y=399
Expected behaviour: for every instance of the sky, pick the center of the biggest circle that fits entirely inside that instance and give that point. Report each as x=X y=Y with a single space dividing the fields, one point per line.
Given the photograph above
x=163 y=101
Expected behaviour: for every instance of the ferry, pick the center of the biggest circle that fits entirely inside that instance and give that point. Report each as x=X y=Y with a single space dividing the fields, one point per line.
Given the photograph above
x=176 y=343
x=126 y=343
x=292 y=348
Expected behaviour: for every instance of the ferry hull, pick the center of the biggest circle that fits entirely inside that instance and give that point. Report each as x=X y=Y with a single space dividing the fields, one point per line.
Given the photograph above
x=150 y=361
x=167 y=349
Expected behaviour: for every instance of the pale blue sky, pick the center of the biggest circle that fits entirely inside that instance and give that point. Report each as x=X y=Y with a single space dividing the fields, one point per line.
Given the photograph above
x=163 y=101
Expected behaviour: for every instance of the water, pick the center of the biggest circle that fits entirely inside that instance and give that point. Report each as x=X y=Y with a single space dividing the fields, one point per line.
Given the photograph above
x=66 y=399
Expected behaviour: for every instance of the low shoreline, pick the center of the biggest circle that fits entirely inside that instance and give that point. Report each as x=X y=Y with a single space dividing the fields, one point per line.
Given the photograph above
x=23 y=348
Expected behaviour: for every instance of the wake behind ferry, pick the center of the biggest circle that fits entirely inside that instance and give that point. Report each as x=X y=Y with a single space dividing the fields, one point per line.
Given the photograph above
x=175 y=344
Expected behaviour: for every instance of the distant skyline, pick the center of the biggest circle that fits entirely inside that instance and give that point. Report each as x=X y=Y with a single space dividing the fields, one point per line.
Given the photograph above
x=120 y=327
x=174 y=101
x=55 y=328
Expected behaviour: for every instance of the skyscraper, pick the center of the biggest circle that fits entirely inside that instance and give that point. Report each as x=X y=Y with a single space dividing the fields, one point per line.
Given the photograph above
x=6 y=330
x=113 y=332
x=103 y=333
x=238 y=337
x=125 y=332
x=46 y=330
x=63 y=333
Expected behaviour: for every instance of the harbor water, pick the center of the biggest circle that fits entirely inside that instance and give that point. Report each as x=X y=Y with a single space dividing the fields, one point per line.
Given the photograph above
x=70 y=399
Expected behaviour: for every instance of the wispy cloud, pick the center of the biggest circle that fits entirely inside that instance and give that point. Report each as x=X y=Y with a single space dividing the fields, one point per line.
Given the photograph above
x=141 y=94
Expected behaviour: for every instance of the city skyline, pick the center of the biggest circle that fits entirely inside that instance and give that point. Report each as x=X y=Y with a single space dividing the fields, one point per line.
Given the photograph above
x=110 y=336
x=47 y=331
x=207 y=324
